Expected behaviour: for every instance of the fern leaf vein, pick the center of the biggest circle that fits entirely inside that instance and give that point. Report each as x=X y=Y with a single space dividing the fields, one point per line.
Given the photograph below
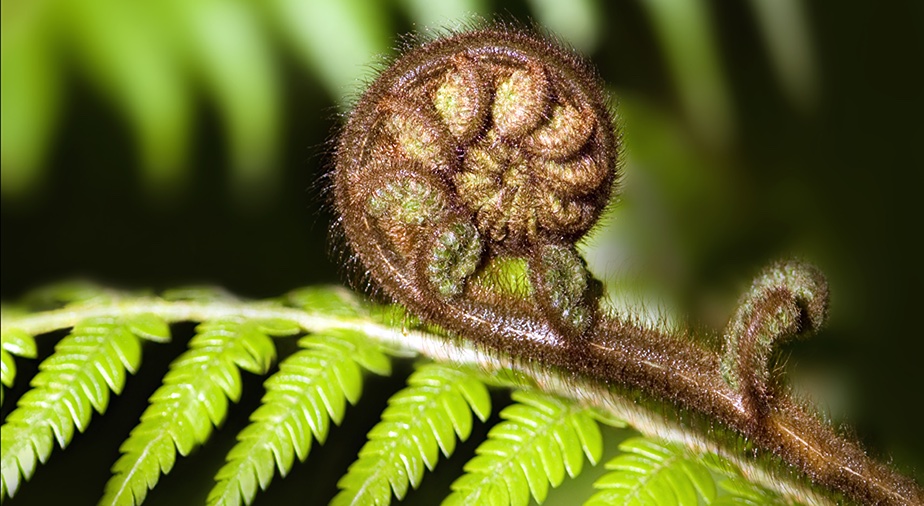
x=192 y=399
x=73 y=382
x=310 y=389
x=651 y=472
x=513 y=463
x=420 y=421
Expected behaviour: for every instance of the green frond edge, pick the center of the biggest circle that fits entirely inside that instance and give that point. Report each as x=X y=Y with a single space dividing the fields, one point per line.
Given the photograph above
x=653 y=473
x=735 y=489
x=738 y=492
x=192 y=399
x=310 y=389
x=13 y=342
x=71 y=383
x=321 y=309
x=74 y=293
x=420 y=421
x=541 y=438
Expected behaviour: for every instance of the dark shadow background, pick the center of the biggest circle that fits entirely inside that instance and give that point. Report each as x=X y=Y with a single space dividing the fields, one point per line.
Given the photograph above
x=838 y=183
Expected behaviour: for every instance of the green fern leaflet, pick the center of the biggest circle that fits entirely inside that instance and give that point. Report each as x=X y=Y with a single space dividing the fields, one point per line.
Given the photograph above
x=649 y=472
x=194 y=397
x=310 y=389
x=540 y=439
x=420 y=421
x=71 y=383
x=13 y=342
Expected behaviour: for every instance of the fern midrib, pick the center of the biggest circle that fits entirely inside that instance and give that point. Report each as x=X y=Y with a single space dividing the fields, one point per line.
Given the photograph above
x=644 y=479
x=129 y=477
x=174 y=409
x=196 y=311
x=65 y=381
x=527 y=444
x=232 y=485
x=264 y=439
x=394 y=442
x=648 y=420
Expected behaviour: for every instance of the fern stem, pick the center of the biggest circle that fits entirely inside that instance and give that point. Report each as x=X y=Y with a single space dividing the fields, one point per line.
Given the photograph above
x=652 y=417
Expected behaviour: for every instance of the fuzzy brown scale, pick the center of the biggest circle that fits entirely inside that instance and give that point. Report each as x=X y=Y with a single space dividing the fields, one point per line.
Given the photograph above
x=464 y=177
x=495 y=134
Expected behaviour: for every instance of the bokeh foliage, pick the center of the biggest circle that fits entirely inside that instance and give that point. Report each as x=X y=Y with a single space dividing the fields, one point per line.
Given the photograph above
x=162 y=143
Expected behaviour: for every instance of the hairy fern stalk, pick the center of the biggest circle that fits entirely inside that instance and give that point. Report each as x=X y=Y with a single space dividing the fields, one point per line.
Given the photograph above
x=544 y=436
x=463 y=180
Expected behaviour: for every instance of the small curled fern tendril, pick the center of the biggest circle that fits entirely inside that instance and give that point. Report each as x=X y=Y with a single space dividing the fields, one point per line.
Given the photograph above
x=464 y=177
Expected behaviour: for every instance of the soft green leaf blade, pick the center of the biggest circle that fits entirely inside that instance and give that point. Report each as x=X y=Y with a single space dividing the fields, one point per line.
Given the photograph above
x=732 y=500
x=687 y=38
x=494 y=494
x=7 y=370
x=553 y=462
x=360 y=29
x=331 y=301
x=701 y=479
x=537 y=479
x=126 y=54
x=350 y=380
x=739 y=491
x=445 y=431
x=226 y=48
x=278 y=327
x=446 y=14
x=29 y=97
x=608 y=419
x=458 y=413
x=75 y=293
x=13 y=341
x=571 y=450
x=588 y=432
x=477 y=397
x=374 y=360
x=197 y=293
x=784 y=26
x=18 y=342
x=578 y=22
x=259 y=347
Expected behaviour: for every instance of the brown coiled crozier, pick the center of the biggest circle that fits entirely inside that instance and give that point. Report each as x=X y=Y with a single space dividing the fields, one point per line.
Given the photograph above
x=464 y=177
x=477 y=161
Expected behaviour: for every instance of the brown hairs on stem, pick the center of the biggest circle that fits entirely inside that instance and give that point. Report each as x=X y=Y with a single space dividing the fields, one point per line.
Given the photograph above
x=463 y=179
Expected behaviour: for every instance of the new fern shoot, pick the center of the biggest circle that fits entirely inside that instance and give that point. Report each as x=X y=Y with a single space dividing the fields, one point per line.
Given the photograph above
x=462 y=181
x=497 y=147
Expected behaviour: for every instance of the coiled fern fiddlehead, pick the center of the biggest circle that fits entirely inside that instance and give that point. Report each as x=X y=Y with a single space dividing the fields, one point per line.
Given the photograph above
x=465 y=175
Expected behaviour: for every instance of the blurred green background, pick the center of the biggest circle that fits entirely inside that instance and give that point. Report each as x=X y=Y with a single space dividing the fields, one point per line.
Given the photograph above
x=155 y=144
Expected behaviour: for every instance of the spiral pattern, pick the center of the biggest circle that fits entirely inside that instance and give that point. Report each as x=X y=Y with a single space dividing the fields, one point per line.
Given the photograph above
x=484 y=145
x=463 y=179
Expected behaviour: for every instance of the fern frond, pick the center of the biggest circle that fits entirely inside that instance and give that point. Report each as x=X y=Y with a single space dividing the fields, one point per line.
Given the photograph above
x=419 y=422
x=740 y=492
x=13 y=342
x=309 y=390
x=541 y=438
x=72 y=382
x=736 y=490
x=330 y=301
x=193 y=397
x=650 y=472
